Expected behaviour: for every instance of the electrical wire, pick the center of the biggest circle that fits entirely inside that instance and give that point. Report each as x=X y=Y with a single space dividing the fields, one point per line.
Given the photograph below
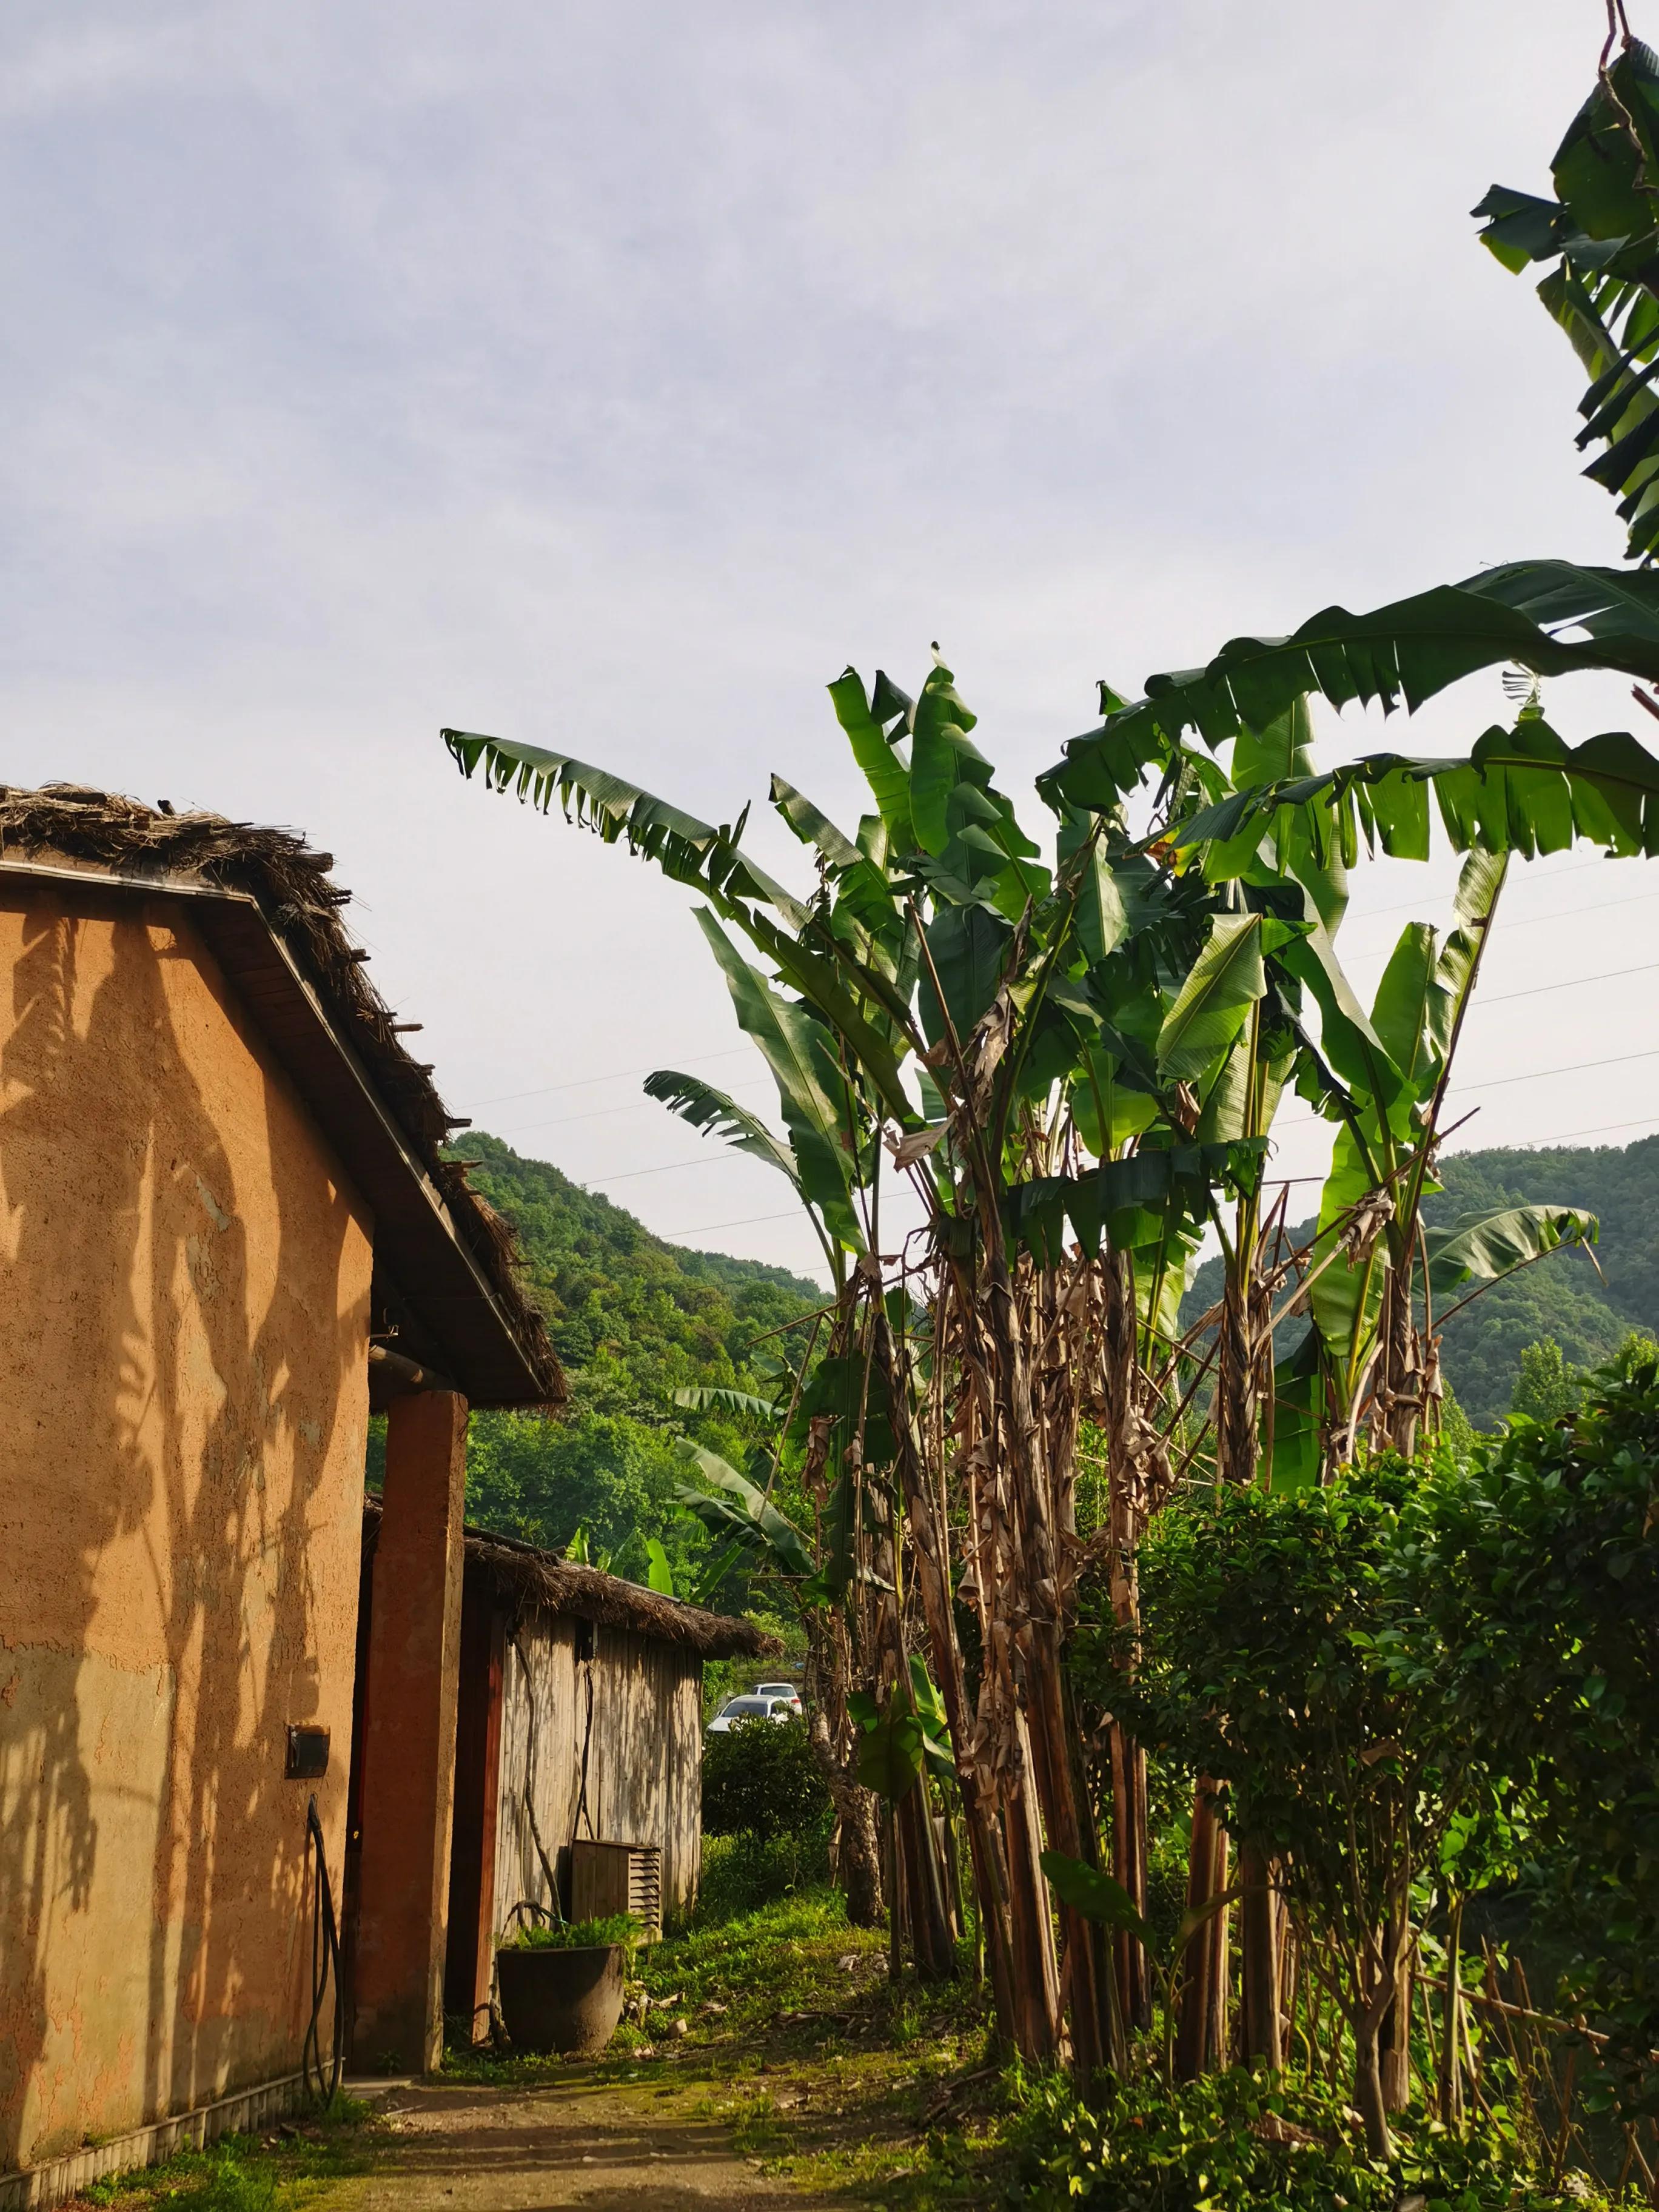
x=604 y=1113
x=1602 y=1129
x=617 y=1075
x=1506 y=998
x=1571 y=982
x=708 y=1159
x=676 y=1235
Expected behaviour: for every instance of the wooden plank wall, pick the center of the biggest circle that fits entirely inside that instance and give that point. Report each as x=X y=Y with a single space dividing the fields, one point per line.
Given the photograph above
x=645 y=1755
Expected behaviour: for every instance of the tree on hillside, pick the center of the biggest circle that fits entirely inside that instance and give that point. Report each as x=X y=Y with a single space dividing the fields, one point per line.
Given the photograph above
x=634 y=1319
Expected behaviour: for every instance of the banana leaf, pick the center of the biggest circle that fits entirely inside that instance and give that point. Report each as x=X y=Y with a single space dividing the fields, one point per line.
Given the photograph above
x=1487 y=1246
x=773 y=1532
x=705 y=1108
x=812 y=1089
x=1403 y=652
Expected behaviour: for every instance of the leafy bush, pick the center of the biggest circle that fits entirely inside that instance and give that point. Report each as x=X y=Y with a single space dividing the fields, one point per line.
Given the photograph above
x=1264 y=1665
x=739 y=1876
x=761 y=1781
x=1535 y=1574
x=577 y=1934
x=1232 y=2140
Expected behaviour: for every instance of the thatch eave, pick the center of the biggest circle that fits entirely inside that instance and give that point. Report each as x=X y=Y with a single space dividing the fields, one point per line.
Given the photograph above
x=271 y=913
x=540 y=1579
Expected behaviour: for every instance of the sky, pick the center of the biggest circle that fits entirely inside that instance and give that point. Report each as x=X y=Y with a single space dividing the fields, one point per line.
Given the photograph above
x=611 y=376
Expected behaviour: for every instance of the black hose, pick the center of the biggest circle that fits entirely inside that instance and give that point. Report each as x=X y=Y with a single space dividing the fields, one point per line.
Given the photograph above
x=323 y=2080
x=582 y=1812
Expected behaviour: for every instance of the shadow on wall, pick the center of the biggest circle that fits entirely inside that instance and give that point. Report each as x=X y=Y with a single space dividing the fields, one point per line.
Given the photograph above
x=173 y=1487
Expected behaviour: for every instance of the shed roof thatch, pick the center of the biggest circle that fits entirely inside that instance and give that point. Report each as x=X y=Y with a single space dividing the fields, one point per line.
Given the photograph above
x=473 y=1309
x=535 y=1577
x=562 y=1587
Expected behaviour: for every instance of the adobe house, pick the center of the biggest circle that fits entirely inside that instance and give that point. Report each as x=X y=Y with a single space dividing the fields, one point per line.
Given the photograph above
x=227 y=1231
x=578 y=1752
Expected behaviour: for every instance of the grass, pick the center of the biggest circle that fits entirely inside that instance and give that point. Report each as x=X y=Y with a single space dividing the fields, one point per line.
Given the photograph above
x=277 y=2170
x=825 y=2071
x=770 y=2015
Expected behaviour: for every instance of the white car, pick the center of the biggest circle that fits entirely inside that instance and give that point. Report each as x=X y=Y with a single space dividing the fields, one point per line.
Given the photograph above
x=754 y=1707
x=786 y=1690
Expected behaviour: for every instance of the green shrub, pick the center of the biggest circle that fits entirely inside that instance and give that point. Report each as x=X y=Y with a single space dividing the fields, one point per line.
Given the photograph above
x=761 y=1781
x=1232 y=2141
x=1534 y=1581
x=740 y=1877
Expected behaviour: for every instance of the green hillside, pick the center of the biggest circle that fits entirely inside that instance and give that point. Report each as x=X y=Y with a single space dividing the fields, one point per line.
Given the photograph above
x=1589 y=1316
x=634 y=1318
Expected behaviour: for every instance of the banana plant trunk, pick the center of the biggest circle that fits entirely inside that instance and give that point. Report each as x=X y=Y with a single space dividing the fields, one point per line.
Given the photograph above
x=1202 y=2037
x=930 y=1946
x=857 y=1864
x=1126 y=1510
x=1036 y=1595
x=978 y=1787
x=1201 y=2022
x=1399 y=1387
x=1261 y=1943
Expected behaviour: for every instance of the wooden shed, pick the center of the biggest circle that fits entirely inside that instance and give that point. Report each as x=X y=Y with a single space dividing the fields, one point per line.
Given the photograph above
x=578 y=1724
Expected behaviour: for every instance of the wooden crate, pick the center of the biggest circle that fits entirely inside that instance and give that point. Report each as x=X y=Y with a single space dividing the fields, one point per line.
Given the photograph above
x=607 y=1878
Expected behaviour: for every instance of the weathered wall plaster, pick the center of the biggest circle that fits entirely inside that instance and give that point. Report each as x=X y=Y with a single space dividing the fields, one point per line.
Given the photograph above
x=183 y=1316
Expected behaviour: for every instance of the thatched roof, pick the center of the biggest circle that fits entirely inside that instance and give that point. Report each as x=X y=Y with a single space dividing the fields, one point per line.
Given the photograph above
x=539 y=1578
x=418 y=1192
x=560 y=1586
x=525 y=1574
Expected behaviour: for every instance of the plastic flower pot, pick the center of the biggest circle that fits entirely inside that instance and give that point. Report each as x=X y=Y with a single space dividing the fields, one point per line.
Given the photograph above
x=567 y=2000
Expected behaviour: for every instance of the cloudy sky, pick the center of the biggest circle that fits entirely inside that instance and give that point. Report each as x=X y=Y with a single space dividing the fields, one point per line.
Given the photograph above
x=613 y=375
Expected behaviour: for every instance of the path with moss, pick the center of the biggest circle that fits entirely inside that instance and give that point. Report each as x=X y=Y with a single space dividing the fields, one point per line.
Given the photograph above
x=768 y=2062
x=575 y=2141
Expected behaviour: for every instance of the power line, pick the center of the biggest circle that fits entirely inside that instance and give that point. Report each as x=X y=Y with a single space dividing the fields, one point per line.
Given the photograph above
x=708 y=1228
x=1378 y=913
x=1502 y=1082
x=1537 y=990
x=737 y=1052
x=1537 y=920
x=1602 y=1129
x=600 y=1113
x=619 y=1075
x=1538 y=1074
x=708 y=1159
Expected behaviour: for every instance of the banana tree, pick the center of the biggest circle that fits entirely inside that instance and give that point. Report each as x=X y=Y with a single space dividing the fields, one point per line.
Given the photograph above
x=940 y=944
x=751 y=1533
x=1602 y=234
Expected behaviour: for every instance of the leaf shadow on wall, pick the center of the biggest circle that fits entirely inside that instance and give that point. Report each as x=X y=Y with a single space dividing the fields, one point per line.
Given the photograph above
x=172 y=1495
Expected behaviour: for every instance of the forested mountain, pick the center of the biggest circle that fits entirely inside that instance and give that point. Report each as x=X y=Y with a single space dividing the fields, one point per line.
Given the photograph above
x=1563 y=1296
x=634 y=1318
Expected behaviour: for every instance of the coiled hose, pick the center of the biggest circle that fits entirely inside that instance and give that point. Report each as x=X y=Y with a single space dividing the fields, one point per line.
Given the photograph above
x=322 y=2080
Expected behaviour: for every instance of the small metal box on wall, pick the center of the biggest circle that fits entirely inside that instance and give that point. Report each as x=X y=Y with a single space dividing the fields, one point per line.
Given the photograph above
x=607 y=1878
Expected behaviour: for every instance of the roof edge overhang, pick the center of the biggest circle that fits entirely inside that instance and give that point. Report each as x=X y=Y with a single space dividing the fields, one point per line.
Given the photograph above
x=435 y=1274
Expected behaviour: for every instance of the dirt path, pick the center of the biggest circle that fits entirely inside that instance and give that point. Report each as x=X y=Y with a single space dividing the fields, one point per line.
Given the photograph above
x=575 y=2142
